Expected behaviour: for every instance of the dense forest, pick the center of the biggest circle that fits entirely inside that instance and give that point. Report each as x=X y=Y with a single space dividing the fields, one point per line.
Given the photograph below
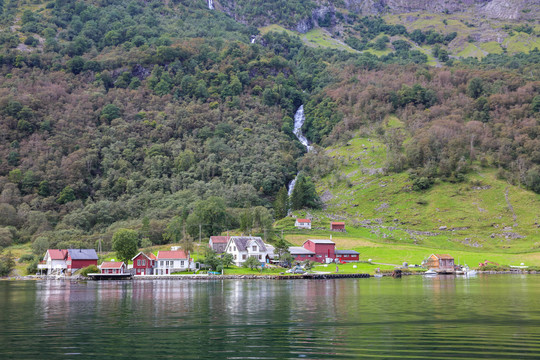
x=121 y=113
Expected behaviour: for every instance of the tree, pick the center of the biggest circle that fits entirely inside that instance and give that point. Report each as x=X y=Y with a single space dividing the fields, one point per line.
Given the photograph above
x=124 y=243
x=40 y=245
x=7 y=263
x=227 y=260
x=110 y=112
x=304 y=194
x=475 y=88
x=175 y=230
x=281 y=204
x=211 y=259
x=281 y=247
x=286 y=259
x=209 y=216
x=6 y=237
x=251 y=263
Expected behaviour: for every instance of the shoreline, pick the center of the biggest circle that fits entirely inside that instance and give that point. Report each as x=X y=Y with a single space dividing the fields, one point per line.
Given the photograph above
x=254 y=277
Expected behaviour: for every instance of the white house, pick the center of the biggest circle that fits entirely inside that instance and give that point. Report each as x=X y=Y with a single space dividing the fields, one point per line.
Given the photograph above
x=302 y=224
x=242 y=247
x=54 y=261
x=168 y=262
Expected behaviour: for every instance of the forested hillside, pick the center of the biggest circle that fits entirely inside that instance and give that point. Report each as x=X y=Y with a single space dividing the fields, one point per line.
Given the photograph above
x=154 y=114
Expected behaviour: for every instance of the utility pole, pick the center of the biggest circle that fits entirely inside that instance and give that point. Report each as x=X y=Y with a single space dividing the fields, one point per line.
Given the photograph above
x=200 y=232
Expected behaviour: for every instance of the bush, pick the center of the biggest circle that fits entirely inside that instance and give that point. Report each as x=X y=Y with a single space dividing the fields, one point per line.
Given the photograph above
x=32 y=267
x=6 y=264
x=89 y=270
x=251 y=263
x=27 y=258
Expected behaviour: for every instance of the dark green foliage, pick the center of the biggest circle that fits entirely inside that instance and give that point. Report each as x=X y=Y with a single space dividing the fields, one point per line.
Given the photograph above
x=110 y=112
x=40 y=246
x=321 y=117
x=66 y=195
x=535 y=105
x=251 y=263
x=209 y=216
x=125 y=244
x=92 y=269
x=417 y=95
x=304 y=194
x=475 y=88
x=7 y=263
x=281 y=204
x=533 y=179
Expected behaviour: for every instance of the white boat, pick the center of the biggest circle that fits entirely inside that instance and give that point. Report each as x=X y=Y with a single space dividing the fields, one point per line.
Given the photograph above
x=430 y=272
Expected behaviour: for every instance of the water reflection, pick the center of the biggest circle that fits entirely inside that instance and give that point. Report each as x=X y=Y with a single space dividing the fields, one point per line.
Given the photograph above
x=328 y=319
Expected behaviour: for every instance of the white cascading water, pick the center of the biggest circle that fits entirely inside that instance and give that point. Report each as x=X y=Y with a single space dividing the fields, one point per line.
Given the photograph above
x=211 y=4
x=299 y=119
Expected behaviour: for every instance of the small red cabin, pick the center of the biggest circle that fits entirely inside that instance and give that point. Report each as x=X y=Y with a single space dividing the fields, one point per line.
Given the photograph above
x=337 y=226
x=347 y=255
x=113 y=267
x=144 y=264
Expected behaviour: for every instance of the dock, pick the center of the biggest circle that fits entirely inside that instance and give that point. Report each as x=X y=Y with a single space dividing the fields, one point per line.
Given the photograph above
x=98 y=276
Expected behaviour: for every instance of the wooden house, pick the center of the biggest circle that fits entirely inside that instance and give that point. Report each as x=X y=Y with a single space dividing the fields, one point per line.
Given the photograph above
x=143 y=264
x=80 y=258
x=113 y=267
x=337 y=226
x=302 y=224
x=168 y=262
x=441 y=262
x=54 y=262
x=218 y=243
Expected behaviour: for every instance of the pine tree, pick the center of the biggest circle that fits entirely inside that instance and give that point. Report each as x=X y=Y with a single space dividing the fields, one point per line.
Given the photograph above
x=297 y=196
x=281 y=204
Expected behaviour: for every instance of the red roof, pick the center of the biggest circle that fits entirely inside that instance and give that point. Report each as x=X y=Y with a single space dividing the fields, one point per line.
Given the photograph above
x=112 y=265
x=179 y=254
x=152 y=256
x=219 y=239
x=57 y=254
x=303 y=220
x=338 y=223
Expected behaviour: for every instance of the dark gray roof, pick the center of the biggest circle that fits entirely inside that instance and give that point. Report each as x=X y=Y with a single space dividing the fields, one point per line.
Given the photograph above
x=82 y=254
x=298 y=250
x=219 y=247
x=346 y=252
x=242 y=242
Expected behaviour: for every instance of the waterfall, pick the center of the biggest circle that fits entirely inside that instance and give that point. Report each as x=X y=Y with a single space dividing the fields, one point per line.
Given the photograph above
x=211 y=4
x=253 y=40
x=299 y=119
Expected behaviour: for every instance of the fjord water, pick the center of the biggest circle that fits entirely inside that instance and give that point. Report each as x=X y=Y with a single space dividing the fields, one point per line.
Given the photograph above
x=414 y=317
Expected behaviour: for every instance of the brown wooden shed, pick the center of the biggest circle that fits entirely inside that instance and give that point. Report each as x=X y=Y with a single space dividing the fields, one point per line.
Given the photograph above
x=440 y=261
x=337 y=226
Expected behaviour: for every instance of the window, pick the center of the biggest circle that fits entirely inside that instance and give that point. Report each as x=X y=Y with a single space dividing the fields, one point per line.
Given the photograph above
x=260 y=257
x=243 y=256
x=235 y=257
x=138 y=262
x=162 y=263
x=182 y=263
x=254 y=248
x=144 y=262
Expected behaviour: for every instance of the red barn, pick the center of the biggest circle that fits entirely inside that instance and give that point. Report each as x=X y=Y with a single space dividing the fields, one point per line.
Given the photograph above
x=218 y=243
x=323 y=249
x=337 y=226
x=347 y=255
x=113 y=267
x=80 y=258
x=143 y=264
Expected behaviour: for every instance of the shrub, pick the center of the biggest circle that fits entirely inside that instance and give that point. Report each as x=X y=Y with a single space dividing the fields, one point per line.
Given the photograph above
x=26 y=258
x=89 y=270
x=32 y=267
x=251 y=263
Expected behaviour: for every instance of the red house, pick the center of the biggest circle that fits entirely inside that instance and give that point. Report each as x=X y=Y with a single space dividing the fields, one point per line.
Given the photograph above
x=80 y=258
x=143 y=264
x=347 y=255
x=218 y=243
x=337 y=226
x=323 y=249
x=113 y=267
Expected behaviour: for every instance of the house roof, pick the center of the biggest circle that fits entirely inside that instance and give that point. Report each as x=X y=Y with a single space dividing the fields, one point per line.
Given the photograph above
x=298 y=250
x=219 y=247
x=242 y=242
x=337 y=223
x=303 y=220
x=82 y=254
x=444 y=257
x=320 y=241
x=148 y=256
x=219 y=239
x=55 y=254
x=176 y=254
x=111 y=264
x=346 y=252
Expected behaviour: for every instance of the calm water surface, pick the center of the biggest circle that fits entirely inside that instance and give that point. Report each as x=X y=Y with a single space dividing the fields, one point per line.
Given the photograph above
x=414 y=317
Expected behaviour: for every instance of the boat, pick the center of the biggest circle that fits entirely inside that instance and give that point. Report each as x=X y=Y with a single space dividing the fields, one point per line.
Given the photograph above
x=431 y=272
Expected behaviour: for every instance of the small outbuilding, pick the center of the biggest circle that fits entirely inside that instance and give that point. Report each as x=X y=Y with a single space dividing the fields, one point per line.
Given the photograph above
x=113 y=267
x=443 y=262
x=218 y=243
x=302 y=224
x=337 y=226
x=347 y=255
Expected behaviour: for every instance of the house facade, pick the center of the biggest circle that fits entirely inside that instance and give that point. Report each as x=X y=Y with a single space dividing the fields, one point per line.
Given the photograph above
x=54 y=261
x=337 y=226
x=113 y=267
x=300 y=253
x=347 y=255
x=80 y=258
x=324 y=249
x=302 y=224
x=143 y=264
x=244 y=247
x=218 y=243
x=168 y=262
x=440 y=261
